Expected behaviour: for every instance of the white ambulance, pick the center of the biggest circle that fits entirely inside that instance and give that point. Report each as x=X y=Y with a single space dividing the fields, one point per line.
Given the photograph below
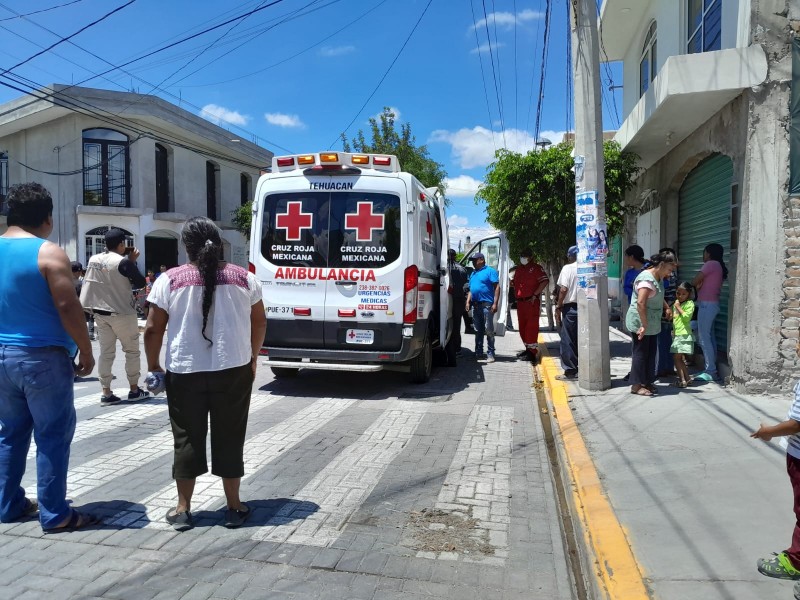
x=352 y=254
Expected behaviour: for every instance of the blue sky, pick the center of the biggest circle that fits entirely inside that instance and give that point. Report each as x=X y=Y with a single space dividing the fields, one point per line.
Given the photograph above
x=296 y=74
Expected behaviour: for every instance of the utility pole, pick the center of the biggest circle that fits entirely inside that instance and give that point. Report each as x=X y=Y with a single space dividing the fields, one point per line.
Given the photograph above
x=594 y=369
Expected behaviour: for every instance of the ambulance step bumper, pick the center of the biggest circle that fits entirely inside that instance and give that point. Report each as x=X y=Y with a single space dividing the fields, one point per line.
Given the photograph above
x=324 y=366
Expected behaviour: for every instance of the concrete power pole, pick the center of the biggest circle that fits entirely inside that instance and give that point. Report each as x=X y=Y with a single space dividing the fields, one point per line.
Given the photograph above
x=594 y=369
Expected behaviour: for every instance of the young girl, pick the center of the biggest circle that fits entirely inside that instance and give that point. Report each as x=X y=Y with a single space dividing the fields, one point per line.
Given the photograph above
x=682 y=340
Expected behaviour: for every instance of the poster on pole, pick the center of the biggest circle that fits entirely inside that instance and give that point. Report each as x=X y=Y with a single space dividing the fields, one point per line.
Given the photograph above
x=592 y=241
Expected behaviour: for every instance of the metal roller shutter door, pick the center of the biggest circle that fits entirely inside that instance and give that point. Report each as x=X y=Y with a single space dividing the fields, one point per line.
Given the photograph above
x=705 y=218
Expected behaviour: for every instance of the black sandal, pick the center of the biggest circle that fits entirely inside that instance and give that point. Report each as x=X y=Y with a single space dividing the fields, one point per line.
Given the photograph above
x=236 y=518
x=180 y=521
x=77 y=520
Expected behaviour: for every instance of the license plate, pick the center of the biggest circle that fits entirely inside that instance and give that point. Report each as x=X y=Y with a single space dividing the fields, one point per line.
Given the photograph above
x=359 y=336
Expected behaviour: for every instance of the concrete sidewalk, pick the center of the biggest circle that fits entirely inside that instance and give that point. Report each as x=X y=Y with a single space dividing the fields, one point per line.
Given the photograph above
x=698 y=500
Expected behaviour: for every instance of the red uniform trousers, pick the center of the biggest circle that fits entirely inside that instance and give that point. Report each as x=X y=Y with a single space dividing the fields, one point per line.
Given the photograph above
x=528 y=312
x=793 y=468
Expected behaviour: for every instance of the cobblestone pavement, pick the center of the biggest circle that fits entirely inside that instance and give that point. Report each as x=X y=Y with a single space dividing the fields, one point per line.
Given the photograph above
x=363 y=486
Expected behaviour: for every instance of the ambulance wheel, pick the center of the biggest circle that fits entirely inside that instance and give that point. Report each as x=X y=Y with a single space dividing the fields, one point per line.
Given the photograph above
x=422 y=363
x=281 y=372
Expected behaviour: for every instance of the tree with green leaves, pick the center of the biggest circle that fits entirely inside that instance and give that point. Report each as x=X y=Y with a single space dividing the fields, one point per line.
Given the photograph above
x=387 y=140
x=532 y=197
x=242 y=217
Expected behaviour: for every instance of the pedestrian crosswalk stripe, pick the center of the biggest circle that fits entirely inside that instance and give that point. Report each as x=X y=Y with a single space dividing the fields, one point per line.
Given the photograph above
x=125 y=416
x=118 y=463
x=328 y=500
x=478 y=480
x=259 y=450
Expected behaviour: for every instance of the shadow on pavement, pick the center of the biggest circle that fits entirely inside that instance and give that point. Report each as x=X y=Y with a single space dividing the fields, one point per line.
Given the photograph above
x=311 y=383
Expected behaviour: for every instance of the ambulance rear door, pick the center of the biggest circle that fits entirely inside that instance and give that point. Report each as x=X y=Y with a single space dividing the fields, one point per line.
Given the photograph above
x=441 y=243
x=293 y=251
x=364 y=297
x=495 y=249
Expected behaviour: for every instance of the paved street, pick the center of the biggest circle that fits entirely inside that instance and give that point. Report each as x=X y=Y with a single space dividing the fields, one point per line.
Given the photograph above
x=363 y=485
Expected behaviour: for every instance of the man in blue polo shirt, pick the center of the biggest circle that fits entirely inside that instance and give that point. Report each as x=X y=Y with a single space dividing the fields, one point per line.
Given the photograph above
x=483 y=297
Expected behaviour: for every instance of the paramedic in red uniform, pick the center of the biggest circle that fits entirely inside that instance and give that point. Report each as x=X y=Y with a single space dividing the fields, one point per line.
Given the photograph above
x=530 y=280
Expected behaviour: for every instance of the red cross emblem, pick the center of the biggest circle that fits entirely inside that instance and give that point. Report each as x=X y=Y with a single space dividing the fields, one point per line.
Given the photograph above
x=364 y=221
x=293 y=221
x=352 y=335
x=429 y=228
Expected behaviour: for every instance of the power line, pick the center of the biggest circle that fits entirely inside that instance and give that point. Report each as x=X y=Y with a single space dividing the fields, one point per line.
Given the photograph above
x=403 y=47
x=190 y=61
x=86 y=108
x=43 y=10
x=178 y=42
x=295 y=55
x=61 y=41
x=533 y=71
x=570 y=77
x=141 y=96
x=607 y=69
x=296 y=14
x=499 y=70
x=542 y=78
x=494 y=72
x=516 y=72
x=206 y=49
x=483 y=74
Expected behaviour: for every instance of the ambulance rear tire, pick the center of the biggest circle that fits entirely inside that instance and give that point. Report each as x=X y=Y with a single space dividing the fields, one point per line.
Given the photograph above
x=284 y=372
x=422 y=363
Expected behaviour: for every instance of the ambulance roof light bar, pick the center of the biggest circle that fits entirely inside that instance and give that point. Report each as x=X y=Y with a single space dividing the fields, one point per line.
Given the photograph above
x=379 y=162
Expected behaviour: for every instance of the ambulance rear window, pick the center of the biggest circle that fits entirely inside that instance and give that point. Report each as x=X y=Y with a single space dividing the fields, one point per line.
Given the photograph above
x=295 y=230
x=365 y=229
x=331 y=229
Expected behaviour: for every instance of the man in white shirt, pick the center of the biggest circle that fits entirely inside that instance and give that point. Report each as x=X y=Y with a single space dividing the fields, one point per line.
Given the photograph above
x=567 y=305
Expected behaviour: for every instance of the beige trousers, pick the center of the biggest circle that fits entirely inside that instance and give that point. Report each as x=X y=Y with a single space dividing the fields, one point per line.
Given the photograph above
x=124 y=328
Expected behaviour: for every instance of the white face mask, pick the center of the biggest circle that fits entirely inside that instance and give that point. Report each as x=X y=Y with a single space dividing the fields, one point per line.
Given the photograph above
x=523 y=260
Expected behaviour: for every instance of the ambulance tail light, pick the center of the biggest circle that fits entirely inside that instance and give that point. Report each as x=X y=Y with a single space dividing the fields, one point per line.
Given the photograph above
x=382 y=161
x=263 y=352
x=360 y=159
x=306 y=159
x=251 y=267
x=286 y=161
x=301 y=312
x=410 y=294
x=343 y=312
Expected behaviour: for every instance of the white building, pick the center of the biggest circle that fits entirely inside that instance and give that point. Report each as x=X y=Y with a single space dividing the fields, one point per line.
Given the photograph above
x=706 y=106
x=133 y=161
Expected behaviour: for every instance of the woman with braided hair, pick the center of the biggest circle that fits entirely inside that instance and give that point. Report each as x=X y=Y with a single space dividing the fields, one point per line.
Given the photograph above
x=216 y=328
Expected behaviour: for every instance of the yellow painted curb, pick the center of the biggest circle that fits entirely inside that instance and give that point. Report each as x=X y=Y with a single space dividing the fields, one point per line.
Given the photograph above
x=620 y=574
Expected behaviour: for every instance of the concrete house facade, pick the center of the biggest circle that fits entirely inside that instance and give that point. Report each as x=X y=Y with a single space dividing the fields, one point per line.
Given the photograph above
x=706 y=99
x=127 y=160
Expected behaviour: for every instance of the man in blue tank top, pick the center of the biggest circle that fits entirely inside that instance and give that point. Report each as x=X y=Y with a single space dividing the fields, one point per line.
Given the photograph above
x=41 y=323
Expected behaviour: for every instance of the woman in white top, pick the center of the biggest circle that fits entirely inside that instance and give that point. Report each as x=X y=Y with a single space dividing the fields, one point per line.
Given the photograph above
x=216 y=328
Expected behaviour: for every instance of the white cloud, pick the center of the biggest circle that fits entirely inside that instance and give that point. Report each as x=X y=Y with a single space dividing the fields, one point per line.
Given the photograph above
x=459 y=233
x=485 y=48
x=394 y=109
x=507 y=19
x=282 y=120
x=462 y=186
x=219 y=114
x=457 y=221
x=336 y=50
x=475 y=147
